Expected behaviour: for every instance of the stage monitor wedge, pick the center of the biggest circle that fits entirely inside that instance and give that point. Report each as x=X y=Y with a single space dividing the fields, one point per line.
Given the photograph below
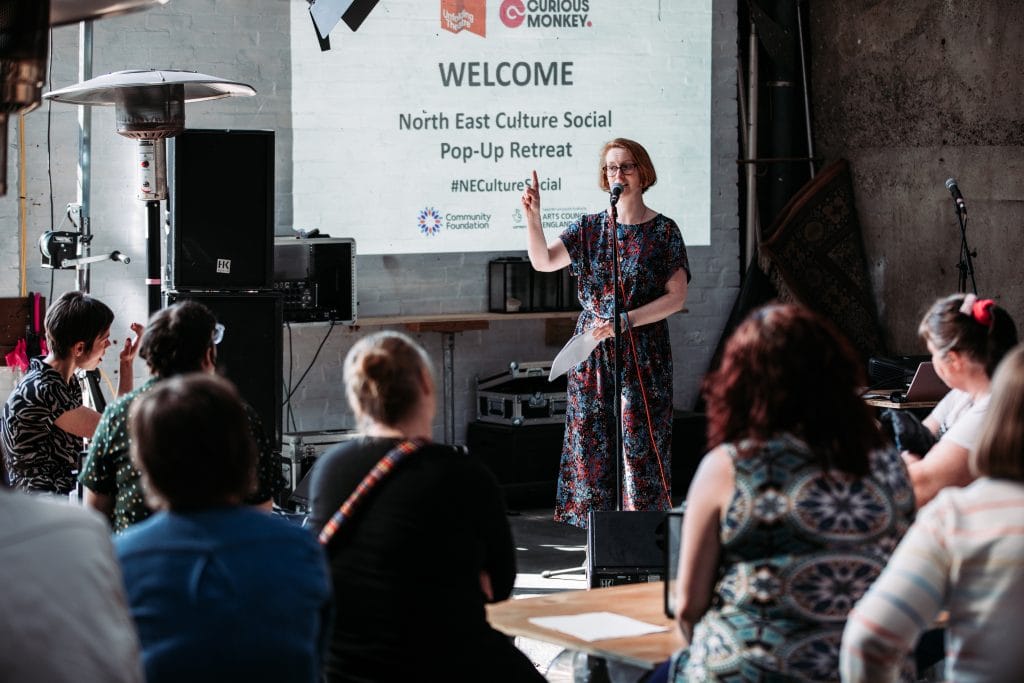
x=221 y=210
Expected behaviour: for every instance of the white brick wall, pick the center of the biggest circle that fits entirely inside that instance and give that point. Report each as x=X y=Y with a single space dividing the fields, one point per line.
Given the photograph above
x=248 y=40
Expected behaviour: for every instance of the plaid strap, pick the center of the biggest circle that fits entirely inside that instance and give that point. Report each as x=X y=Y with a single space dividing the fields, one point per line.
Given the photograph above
x=372 y=478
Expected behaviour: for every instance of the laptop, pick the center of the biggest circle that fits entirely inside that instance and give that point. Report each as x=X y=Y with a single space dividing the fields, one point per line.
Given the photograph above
x=925 y=387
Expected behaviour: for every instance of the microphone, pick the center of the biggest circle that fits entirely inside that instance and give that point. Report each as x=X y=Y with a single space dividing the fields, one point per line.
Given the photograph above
x=958 y=198
x=616 y=190
x=118 y=256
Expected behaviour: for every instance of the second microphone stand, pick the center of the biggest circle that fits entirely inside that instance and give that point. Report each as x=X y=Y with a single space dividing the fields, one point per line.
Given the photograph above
x=966 y=264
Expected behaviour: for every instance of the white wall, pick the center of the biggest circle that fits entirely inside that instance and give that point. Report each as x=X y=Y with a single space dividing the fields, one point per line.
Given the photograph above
x=248 y=40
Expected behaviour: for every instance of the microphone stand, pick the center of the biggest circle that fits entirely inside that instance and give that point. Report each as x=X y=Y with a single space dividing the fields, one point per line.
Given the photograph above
x=966 y=264
x=613 y=221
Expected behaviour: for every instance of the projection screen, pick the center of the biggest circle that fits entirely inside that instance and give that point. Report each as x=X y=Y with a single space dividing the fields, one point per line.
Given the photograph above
x=417 y=132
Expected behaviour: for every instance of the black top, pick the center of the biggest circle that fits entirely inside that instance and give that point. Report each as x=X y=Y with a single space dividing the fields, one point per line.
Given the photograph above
x=406 y=567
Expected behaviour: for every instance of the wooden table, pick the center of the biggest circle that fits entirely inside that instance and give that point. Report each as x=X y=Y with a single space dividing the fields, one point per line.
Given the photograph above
x=643 y=601
x=882 y=402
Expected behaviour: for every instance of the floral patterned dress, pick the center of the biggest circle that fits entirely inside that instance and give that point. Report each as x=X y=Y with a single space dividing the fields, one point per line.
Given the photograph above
x=649 y=254
x=800 y=546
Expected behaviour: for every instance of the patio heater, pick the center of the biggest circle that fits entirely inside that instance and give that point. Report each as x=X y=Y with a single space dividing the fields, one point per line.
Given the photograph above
x=150 y=107
x=24 y=37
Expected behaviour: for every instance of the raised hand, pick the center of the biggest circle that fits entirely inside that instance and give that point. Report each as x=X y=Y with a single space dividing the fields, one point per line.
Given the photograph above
x=131 y=347
x=531 y=198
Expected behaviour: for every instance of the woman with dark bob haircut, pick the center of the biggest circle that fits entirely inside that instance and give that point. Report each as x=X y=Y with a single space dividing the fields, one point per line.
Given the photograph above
x=964 y=554
x=219 y=590
x=44 y=418
x=793 y=512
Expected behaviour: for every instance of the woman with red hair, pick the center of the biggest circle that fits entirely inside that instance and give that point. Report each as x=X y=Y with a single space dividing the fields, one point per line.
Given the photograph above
x=793 y=512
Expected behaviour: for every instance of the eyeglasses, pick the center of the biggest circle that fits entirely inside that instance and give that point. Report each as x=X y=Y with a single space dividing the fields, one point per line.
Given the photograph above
x=612 y=169
x=218 y=333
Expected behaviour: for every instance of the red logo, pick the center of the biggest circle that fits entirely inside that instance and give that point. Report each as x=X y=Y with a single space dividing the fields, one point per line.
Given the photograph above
x=464 y=15
x=512 y=13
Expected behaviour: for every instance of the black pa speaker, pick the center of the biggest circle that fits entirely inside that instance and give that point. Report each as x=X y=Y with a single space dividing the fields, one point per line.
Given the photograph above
x=524 y=459
x=625 y=547
x=250 y=354
x=222 y=210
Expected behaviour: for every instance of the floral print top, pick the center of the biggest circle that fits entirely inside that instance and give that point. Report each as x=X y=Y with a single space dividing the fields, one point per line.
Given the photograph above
x=800 y=546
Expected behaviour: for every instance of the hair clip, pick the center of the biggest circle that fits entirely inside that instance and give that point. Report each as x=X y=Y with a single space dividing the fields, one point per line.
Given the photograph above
x=982 y=312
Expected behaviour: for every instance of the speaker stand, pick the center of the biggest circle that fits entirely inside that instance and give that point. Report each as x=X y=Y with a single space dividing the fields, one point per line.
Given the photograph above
x=153 y=255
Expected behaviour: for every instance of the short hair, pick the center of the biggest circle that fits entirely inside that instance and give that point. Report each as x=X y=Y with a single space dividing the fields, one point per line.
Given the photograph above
x=383 y=374
x=75 y=317
x=950 y=330
x=191 y=440
x=787 y=369
x=177 y=338
x=1000 y=451
x=644 y=166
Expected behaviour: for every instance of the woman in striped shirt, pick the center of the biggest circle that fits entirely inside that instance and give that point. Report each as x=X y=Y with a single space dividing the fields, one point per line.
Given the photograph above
x=964 y=554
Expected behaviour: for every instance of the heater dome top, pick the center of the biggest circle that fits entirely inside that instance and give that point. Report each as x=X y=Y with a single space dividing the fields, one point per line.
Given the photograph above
x=122 y=87
x=70 y=11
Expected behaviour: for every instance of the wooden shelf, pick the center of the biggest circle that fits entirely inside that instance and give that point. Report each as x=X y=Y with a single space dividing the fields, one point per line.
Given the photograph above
x=374 y=321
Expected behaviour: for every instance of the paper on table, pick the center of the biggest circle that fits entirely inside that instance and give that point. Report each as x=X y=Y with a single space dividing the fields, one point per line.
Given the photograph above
x=573 y=353
x=591 y=626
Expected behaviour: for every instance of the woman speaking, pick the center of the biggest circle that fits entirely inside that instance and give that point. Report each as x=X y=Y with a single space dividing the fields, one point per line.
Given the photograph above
x=653 y=277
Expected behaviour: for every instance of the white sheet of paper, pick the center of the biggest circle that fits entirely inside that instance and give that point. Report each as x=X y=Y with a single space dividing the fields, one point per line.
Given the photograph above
x=573 y=353
x=591 y=626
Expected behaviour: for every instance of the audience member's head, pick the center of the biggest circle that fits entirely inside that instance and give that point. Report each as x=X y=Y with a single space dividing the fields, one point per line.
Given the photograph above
x=191 y=441
x=387 y=376
x=1000 y=452
x=75 y=317
x=975 y=328
x=178 y=339
x=787 y=369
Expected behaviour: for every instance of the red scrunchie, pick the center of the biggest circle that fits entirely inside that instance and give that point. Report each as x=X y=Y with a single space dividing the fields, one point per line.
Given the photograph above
x=981 y=311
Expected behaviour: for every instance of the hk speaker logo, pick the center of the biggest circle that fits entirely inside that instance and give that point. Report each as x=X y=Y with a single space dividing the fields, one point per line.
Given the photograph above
x=464 y=15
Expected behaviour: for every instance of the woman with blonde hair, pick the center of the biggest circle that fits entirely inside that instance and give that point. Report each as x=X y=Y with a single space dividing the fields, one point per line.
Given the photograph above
x=415 y=533
x=963 y=554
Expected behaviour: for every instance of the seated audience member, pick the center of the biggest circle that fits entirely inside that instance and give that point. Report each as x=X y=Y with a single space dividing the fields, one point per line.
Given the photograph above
x=964 y=554
x=967 y=338
x=219 y=591
x=421 y=551
x=63 y=613
x=179 y=339
x=44 y=419
x=794 y=511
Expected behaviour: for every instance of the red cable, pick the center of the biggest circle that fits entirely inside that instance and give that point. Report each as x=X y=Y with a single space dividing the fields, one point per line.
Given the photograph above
x=640 y=381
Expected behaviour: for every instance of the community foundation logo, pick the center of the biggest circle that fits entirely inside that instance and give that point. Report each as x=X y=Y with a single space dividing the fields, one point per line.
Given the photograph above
x=464 y=15
x=546 y=13
x=429 y=221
